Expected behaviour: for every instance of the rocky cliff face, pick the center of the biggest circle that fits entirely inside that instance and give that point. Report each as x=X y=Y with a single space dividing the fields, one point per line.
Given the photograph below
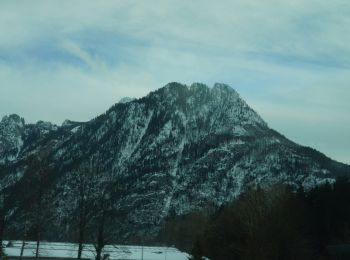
x=175 y=150
x=11 y=131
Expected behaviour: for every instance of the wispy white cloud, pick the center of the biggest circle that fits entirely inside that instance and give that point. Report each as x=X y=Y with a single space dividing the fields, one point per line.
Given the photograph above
x=77 y=51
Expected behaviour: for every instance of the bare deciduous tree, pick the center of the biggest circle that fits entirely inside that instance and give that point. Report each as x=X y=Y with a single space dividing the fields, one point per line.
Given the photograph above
x=38 y=166
x=84 y=182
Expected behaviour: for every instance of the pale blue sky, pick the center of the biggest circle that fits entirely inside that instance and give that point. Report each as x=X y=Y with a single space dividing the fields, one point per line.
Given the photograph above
x=289 y=60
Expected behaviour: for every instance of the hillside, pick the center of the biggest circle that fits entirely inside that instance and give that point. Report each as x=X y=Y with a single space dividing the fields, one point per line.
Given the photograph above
x=175 y=150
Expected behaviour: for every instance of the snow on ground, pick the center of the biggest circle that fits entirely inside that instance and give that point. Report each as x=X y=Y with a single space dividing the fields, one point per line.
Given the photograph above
x=69 y=250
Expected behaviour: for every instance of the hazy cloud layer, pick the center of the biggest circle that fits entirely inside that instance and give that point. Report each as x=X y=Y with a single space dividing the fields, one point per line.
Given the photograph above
x=74 y=59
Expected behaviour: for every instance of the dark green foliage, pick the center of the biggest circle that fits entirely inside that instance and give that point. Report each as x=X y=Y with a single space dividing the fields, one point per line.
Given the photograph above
x=261 y=224
x=182 y=231
x=273 y=223
x=197 y=251
x=330 y=207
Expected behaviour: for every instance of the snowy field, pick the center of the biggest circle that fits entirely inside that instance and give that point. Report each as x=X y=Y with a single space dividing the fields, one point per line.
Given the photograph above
x=69 y=250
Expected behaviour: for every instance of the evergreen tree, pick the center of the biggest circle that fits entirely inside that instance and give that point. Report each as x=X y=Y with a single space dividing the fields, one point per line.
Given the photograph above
x=197 y=252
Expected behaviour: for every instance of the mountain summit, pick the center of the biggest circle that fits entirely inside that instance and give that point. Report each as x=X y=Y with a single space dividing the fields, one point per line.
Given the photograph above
x=175 y=150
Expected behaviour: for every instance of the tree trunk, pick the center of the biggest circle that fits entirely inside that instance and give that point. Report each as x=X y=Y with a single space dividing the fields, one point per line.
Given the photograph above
x=38 y=216
x=82 y=218
x=80 y=250
x=22 y=249
x=81 y=236
x=38 y=226
x=24 y=239
x=37 y=245
x=100 y=237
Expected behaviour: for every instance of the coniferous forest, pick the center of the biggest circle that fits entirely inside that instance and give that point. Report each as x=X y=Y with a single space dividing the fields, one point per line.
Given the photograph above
x=272 y=223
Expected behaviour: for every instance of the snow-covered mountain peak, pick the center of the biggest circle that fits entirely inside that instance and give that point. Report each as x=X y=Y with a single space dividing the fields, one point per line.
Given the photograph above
x=70 y=125
x=45 y=127
x=126 y=100
x=220 y=106
x=225 y=91
x=11 y=130
x=45 y=124
x=66 y=123
x=197 y=86
x=200 y=92
x=13 y=119
x=224 y=87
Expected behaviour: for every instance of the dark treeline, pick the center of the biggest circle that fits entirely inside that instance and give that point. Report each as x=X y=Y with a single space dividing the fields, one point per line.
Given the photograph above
x=272 y=223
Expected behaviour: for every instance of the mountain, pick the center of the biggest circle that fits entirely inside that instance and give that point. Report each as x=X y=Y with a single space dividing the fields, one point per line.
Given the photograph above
x=175 y=150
